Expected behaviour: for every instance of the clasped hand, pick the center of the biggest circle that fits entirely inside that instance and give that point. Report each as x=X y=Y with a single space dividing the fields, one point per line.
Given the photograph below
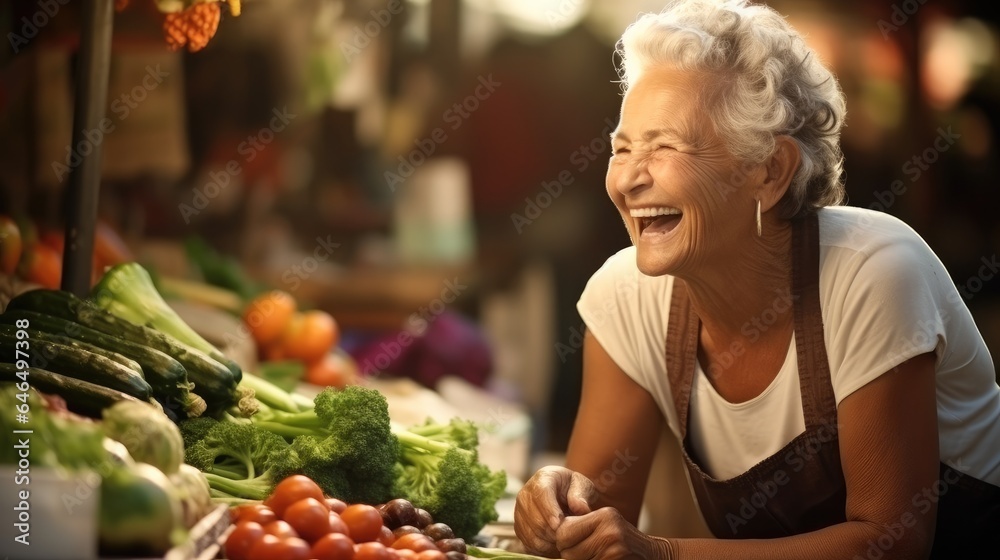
x=554 y=516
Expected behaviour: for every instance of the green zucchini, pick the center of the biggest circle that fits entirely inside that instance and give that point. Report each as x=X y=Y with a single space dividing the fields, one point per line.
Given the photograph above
x=165 y=375
x=213 y=381
x=76 y=363
x=35 y=334
x=82 y=397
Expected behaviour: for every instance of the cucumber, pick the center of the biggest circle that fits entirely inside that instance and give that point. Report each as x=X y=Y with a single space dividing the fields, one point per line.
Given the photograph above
x=165 y=375
x=34 y=334
x=213 y=381
x=78 y=364
x=82 y=397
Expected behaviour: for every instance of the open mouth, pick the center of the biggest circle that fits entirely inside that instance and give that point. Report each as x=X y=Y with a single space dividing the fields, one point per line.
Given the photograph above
x=656 y=221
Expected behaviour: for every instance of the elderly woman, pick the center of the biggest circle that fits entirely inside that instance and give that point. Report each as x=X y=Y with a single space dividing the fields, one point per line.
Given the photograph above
x=830 y=390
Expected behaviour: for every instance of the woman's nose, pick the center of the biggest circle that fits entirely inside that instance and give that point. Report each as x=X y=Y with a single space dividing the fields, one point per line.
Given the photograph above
x=632 y=175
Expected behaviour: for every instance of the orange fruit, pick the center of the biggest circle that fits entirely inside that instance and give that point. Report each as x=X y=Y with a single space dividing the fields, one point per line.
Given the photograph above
x=336 y=369
x=310 y=336
x=268 y=315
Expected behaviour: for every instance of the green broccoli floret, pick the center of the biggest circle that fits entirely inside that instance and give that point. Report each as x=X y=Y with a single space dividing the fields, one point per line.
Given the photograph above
x=344 y=443
x=242 y=460
x=448 y=480
x=458 y=432
x=193 y=430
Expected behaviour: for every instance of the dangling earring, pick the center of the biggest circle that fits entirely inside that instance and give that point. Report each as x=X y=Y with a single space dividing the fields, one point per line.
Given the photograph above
x=758 y=217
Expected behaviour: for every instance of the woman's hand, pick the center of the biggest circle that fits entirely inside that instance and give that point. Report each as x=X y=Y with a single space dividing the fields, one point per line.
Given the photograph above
x=545 y=501
x=606 y=535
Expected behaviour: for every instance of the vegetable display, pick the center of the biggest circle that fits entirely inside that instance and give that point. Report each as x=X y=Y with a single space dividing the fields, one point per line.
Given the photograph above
x=174 y=428
x=296 y=521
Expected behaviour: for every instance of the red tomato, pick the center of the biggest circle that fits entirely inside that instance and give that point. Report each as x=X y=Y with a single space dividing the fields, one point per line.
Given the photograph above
x=293 y=549
x=280 y=529
x=431 y=555
x=243 y=537
x=333 y=546
x=416 y=542
x=266 y=548
x=309 y=517
x=337 y=525
x=336 y=505
x=371 y=551
x=10 y=245
x=405 y=553
x=363 y=521
x=291 y=490
x=254 y=512
x=386 y=537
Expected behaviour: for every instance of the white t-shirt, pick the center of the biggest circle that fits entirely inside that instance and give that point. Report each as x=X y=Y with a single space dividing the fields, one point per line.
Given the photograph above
x=885 y=298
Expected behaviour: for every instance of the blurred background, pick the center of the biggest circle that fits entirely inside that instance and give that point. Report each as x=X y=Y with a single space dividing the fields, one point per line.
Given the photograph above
x=435 y=167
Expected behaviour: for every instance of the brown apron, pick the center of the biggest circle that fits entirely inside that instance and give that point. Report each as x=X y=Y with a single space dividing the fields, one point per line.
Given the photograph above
x=801 y=488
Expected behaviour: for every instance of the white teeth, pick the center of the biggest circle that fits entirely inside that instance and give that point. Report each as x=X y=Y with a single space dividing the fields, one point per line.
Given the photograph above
x=653 y=212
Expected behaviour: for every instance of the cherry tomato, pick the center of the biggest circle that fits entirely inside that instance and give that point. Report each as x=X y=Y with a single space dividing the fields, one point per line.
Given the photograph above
x=337 y=525
x=243 y=537
x=254 y=512
x=431 y=555
x=386 y=537
x=293 y=549
x=363 y=521
x=291 y=490
x=266 y=548
x=309 y=517
x=416 y=542
x=335 y=505
x=371 y=551
x=333 y=546
x=404 y=530
x=405 y=554
x=280 y=529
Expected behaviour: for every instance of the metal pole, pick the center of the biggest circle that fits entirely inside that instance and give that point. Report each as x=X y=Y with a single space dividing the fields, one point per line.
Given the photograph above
x=89 y=128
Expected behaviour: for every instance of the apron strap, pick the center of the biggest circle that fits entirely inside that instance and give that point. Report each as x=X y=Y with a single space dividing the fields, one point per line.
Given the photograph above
x=682 y=351
x=819 y=403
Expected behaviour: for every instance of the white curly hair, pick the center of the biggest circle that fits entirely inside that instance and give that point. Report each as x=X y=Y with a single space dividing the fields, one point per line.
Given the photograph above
x=771 y=82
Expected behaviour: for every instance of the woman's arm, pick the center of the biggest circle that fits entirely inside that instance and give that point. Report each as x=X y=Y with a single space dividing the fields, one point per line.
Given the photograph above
x=616 y=433
x=890 y=457
x=614 y=440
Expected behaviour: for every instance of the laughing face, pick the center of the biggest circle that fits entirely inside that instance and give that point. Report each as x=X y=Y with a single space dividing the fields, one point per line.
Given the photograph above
x=687 y=203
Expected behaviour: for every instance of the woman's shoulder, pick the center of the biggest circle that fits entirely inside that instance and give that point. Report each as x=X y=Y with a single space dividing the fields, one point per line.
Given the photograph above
x=865 y=231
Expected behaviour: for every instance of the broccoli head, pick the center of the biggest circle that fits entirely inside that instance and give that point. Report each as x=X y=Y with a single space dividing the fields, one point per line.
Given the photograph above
x=448 y=480
x=354 y=457
x=241 y=460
